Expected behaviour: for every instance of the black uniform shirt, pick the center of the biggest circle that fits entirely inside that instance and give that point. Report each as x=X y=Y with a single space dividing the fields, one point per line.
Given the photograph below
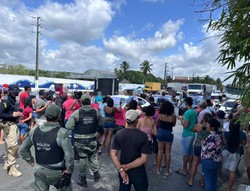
x=6 y=111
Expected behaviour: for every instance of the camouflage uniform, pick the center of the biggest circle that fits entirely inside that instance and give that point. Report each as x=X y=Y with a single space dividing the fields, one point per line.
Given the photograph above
x=86 y=144
x=49 y=174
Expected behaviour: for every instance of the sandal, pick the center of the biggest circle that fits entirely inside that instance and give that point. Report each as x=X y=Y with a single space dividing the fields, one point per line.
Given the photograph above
x=169 y=173
x=188 y=183
x=181 y=173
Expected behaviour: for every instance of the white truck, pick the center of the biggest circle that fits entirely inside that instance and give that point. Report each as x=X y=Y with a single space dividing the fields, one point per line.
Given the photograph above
x=199 y=89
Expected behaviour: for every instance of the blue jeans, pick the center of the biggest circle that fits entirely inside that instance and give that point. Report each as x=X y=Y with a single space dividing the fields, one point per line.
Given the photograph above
x=210 y=170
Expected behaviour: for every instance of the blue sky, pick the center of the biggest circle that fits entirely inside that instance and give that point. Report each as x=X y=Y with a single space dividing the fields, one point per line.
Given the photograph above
x=100 y=34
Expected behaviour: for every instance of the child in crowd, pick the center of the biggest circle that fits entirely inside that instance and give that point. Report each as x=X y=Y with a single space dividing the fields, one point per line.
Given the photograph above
x=24 y=123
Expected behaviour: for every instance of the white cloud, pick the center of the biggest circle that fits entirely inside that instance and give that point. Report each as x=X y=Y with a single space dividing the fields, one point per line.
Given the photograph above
x=80 y=22
x=196 y=59
x=75 y=25
x=76 y=58
x=166 y=37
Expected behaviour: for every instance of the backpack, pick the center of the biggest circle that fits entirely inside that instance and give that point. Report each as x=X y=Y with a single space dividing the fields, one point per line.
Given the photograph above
x=212 y=112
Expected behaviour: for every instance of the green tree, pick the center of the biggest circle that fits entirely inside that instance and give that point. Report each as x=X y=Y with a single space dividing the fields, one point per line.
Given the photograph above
x=219 y=84
x=118 y=73
x=124 y=67
x=233 y=24
x=145 y=68
x=135 y=77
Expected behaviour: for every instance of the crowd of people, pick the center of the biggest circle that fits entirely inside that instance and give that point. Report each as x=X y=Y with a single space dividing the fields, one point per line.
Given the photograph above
x=64 y=128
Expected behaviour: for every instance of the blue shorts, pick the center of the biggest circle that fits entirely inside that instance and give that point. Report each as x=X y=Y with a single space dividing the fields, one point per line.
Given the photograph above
x=187 y=145
x=23 y=128
x=109 y=125
x=197 y=151
x=165 y=136
x=34 y=115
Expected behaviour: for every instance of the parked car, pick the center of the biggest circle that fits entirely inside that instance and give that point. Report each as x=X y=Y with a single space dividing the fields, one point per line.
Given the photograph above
x=196 y=101
x=167 y=98
x=227 y=106
x=123 y=99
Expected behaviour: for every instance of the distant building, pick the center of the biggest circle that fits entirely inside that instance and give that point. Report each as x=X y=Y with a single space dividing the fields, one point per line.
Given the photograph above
x=185 y=79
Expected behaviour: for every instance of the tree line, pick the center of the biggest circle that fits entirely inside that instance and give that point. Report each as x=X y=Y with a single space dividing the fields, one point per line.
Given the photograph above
x=123 y=73
x=20 y=69
x=144 y=75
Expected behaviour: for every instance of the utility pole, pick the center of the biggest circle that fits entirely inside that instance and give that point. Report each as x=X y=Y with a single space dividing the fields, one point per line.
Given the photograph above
x=37 y=52
x=165 y=73
x=172 y=73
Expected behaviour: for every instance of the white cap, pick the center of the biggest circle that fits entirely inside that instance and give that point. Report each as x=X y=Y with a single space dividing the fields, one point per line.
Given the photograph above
x=131 y=115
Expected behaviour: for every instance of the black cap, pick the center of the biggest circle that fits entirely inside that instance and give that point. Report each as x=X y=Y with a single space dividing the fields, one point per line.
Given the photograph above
x=41 y=92
x=221 y=114
x=14 y=89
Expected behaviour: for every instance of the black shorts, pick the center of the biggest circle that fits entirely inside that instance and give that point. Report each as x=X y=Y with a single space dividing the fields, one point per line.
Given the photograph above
x=197 y=151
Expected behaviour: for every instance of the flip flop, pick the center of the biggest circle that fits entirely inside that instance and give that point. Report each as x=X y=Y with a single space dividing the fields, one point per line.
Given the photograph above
x=180 y=172
x=169 y=173
x=189 y=184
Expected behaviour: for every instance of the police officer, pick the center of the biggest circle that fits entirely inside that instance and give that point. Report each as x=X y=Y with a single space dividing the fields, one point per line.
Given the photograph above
x=86 y=122
x=53 y=153
x=9 y=117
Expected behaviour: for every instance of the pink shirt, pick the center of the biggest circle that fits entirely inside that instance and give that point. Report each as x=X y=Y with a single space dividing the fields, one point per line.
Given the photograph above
x=70 y=105
x=148 y=131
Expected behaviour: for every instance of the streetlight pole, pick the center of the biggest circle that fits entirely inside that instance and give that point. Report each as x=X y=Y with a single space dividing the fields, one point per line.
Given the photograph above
x=37 y=52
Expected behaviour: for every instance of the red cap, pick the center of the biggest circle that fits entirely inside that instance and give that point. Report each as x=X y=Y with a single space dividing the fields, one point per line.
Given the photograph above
x=5 y=86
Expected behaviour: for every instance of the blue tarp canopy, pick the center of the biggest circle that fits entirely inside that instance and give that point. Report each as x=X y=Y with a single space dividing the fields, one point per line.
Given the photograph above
x=23 y=83
x=76 y=86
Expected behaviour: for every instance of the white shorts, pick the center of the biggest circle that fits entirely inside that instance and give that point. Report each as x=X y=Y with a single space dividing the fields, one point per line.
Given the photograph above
x=230 y=160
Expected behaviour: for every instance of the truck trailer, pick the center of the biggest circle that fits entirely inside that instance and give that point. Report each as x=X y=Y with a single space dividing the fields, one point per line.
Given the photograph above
x=199 y=89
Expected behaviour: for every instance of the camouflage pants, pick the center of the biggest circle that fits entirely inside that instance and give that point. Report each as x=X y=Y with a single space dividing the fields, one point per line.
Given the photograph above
x=11 y=134
x=88 y=156
x=45 y=177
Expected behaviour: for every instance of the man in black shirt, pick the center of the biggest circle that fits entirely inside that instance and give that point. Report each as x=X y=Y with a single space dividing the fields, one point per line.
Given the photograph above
x=134 y=149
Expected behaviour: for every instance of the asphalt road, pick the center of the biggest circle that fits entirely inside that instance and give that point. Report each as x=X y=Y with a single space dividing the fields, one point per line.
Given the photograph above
x=109 y=176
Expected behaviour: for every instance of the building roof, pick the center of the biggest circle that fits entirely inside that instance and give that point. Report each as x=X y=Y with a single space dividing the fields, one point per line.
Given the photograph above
x=92 y=74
